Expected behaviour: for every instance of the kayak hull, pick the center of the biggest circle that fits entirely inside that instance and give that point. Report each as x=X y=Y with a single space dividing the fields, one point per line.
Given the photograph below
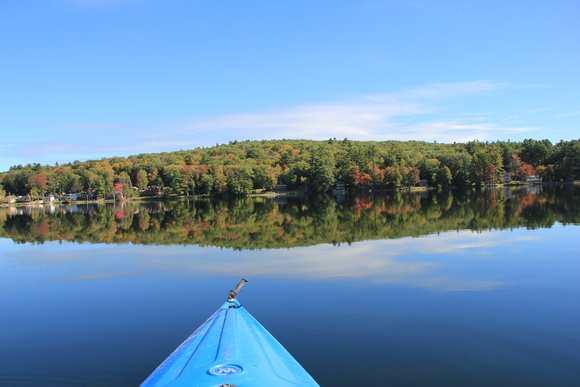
x=231 y=347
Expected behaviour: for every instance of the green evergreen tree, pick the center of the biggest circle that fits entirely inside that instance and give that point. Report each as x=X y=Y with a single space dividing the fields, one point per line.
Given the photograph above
x=444 y=177
x=321 y=171
x=206 y=184
x=239 y=180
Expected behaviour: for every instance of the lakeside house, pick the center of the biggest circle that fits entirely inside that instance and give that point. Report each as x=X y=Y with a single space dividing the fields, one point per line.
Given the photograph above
x=116 y=195
x=90 y=195
x=506 y=177
x=152 y=190
x=69 y=197
x=24 y=199
x=534 y=180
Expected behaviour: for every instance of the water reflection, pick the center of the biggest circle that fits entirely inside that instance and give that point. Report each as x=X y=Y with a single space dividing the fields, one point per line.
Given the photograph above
x=281 y=222
x=432 y=262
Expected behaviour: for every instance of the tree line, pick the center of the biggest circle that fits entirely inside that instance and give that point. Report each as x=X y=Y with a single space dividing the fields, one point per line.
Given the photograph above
x=239 y=168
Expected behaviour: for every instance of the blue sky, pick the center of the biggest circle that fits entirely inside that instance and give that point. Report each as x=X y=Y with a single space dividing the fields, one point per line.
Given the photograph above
x=86 y=79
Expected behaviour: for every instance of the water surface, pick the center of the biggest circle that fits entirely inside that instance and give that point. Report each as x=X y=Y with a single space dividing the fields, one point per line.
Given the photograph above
x=448 y=288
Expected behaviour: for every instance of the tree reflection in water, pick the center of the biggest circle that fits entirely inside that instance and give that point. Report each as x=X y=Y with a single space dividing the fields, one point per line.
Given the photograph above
x=282 y=222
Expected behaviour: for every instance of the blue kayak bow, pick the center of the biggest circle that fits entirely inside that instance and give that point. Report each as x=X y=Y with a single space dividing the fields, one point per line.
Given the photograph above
x=230 y=349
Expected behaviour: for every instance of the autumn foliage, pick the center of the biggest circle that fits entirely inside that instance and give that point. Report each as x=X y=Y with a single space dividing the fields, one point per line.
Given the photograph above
x=240 y=168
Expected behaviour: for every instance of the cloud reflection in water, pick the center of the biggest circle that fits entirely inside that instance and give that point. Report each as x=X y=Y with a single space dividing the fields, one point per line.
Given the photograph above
x=443 y=262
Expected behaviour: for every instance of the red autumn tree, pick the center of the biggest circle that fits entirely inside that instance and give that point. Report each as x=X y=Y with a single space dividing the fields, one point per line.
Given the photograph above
x=525 y=171
x=362 y=179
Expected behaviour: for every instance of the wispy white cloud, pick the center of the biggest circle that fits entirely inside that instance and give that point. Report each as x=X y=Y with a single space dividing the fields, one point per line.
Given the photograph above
x=417 y=113
x=459 y=131
x=371 y=117
x=452 y=90
x=569 y=114
x=539 y=110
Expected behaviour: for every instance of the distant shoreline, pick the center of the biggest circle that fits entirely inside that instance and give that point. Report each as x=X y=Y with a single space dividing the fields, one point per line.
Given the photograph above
x=274 y=194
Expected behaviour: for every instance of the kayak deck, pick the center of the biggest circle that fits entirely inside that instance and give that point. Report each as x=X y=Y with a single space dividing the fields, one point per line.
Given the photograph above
x=231 y=347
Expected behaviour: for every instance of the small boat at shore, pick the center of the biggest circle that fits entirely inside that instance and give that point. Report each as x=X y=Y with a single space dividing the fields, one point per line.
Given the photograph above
x=231 y=349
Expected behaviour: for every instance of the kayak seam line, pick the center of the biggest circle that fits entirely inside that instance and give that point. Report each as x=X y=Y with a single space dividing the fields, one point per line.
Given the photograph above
x=196 y=348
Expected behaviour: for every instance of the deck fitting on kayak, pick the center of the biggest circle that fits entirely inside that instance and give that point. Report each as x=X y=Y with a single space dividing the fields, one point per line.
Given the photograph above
x=234 y=292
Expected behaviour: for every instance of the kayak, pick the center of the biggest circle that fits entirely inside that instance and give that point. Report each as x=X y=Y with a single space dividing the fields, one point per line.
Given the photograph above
x=231 y=349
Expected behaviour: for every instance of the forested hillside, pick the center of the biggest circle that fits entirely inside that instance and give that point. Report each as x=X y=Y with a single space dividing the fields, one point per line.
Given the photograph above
x=239 y=167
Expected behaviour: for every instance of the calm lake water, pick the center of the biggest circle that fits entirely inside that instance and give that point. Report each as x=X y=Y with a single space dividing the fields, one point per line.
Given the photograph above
x=454 y=288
